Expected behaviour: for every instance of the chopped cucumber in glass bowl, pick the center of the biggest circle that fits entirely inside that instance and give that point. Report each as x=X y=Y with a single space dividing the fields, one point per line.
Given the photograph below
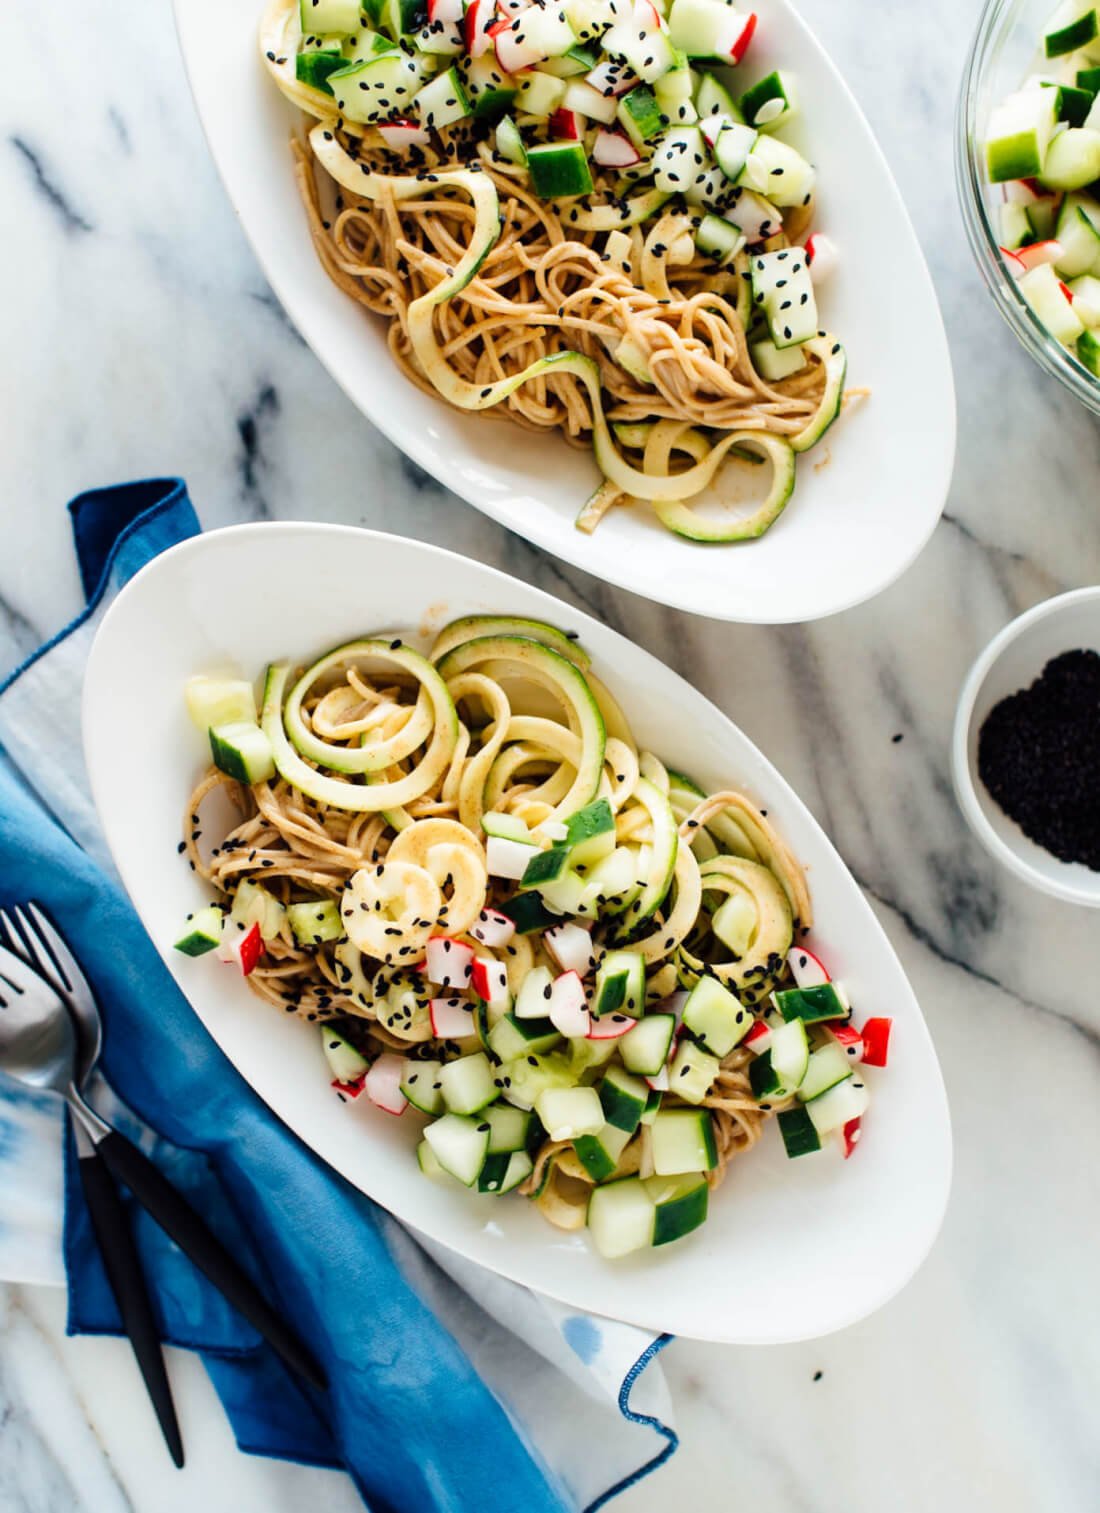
x=1028 y=169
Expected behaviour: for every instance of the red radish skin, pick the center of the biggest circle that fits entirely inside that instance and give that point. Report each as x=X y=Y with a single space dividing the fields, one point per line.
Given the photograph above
x=493 y=928
x=383 y=1084
x=452 y=1018
x=659 y=1083
x=403 y=134
x=822 y=257
x=243 y=950
x=564 y=126
x=1017 y=266
x=741 y=46
x=759 y=1037
x=614 y=149
x=807 y=969
x=610 y=1027
x=449 y=962
x=1039 y=253
x=475 y=27
x=489 y=979
x=611 y=79
x=850 y=1041
x=349 y=1090
x=444 y=10
x=876 y=1041
x=1066 y=291
x=850 y=1136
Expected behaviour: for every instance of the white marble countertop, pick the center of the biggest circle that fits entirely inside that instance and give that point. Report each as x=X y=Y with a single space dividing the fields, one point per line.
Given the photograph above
x=140 y=338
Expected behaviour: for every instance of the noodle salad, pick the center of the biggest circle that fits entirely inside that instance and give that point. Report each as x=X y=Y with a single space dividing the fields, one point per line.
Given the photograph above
x=571 y=220
x=579 y=976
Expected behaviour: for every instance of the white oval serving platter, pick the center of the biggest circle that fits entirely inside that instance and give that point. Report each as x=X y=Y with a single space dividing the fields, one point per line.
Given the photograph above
x=867 y=498
x=792 y=1249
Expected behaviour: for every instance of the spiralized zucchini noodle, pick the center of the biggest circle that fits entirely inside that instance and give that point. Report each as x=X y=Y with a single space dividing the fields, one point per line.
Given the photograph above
x=597 y=317
x=389 y=764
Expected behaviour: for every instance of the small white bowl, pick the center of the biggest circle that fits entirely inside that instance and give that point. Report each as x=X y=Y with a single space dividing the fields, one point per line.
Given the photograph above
x=1013 y=660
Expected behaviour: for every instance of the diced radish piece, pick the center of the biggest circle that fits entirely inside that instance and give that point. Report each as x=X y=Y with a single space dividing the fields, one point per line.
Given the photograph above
x=564 y=127
x=444 y=10
x=876 y=1041
x=1016 y=265
x=452 y=1018
x=449 y=962
x=401 y=135
x=610 y=1026
x=611 y=79
x=807 y=970
x=1066 y=290
x=849 y=1136
x=849 y=1040
x=383 y=1084
x=1039 y=253
x=571 y=947
x=1038 y=191
x=348 y=1090
x=659 y=1084
x=673 y=1004
x=741 y=45
x=242 y=949
x=505 y=858
x=822 y=257
x=490 y=979
x=475 y=27
x=647 y=15
x=537 y=33
x=759 y=1037
x=614 y=149
x=569 y=1007
x=493 y=928
x=711 y=127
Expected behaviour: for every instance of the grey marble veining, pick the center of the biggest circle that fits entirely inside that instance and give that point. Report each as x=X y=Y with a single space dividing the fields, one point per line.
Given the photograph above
x=140 y=337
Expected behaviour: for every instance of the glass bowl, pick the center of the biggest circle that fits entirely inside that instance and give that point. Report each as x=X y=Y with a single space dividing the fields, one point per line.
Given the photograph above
x=1004 y=51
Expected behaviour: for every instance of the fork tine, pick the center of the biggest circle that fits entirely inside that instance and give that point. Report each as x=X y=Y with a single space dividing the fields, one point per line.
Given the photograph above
x=67 y=968
x=16 y=971
x=21 y=942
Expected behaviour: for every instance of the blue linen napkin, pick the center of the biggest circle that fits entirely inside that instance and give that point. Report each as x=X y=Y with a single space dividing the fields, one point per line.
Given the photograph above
x=408 y=1414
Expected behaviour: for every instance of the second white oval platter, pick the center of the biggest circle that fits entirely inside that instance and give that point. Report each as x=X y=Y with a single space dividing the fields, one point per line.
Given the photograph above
x=792 y=1249
x=867 y=498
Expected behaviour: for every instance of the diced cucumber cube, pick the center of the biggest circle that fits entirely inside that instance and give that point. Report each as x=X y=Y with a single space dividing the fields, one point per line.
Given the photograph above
x=460 y=1145
x=1015 y=226
x=715 y=1018
x=1088 y=352
x=790 y=1053
x=692 y=1072
x=316 y=922
x=679 y=160
x=1072 y=160
x=769 y=103
x=642 y=118
x=539 y=94
x=848 y=1100
x=508 y=826
x=1086 y=299
x=680 y=1205
x=377 y=88
x=674 y=92
x=254 y=905
x=242 y=751
x=503 y=1171
x=614 y=879
x=1020 y=129
x=1042 y=289
x=528 y=913
x=422 y=1086
x=443 y=101
x=314 y=69
x=826 y=1067
x=813 y=1004
x=719 y=239
x=511 y=1037
x=570 y=1111
x=510 y=1128
x=510 y=146
x=620 y=1217
x=467 y=1084
x=203 y=933
x=732 y=147
x=525 y=1077
x=620 y=984
x=1071 y=29
x=559 y=170
x=712 y=98
x=777 y=170
x=774 y=365
x=328 y=16
x=544 y=867
x=645 y=1048
x=800 y=1138
x=599 y=1153
x=220 y=701
x=649 y=53
x=653 y=1105
x=784 y=293
x=570 y=894
x=533 y=999
x=590 y=834
x=623 y=1098
x=1074 y=104
x=428 y=1163
x=683 y=1141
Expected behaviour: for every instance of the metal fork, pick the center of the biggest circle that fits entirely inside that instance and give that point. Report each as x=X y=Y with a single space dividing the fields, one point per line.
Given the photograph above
x=145 y=1180
x=31 y=937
